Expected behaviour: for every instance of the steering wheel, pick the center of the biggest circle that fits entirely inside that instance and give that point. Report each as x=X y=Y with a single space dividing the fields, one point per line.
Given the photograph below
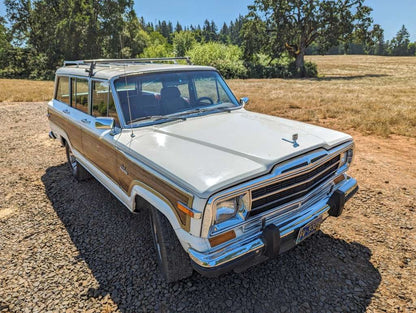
x=201 y=101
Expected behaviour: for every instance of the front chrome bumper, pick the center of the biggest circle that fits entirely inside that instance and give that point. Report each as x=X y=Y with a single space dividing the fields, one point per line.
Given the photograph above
x=247 y=248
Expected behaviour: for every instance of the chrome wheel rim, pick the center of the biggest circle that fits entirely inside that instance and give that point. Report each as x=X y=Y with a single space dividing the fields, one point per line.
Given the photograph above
x=155 y=238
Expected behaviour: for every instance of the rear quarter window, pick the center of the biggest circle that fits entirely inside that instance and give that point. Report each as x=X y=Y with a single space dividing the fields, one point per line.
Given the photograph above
x=80 y=94
x=62 y=89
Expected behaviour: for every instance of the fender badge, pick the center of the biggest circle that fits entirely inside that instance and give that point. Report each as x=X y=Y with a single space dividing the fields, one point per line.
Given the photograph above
x=294 y=140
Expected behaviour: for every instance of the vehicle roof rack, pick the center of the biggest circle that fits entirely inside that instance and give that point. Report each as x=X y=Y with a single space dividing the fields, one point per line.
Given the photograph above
x=128 y=61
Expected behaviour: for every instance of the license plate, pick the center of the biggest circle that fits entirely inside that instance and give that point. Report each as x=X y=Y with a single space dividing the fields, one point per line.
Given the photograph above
x=309 y=229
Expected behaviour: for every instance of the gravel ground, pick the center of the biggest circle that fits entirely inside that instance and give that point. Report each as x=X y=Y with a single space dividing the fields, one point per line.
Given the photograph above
x=69 y=247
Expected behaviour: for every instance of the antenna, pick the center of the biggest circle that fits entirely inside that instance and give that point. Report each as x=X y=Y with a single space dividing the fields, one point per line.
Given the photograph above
x=128 y=101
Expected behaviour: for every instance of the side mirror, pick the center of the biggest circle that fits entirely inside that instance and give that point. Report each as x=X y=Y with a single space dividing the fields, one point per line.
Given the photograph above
x=244 y=101
x=105 y=123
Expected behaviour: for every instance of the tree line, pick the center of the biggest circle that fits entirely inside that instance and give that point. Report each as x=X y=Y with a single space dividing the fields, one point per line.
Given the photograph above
x=272 y=40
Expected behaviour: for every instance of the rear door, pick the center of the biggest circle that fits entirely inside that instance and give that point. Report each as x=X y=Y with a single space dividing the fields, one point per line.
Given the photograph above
x=99 y=144
x=64 y=115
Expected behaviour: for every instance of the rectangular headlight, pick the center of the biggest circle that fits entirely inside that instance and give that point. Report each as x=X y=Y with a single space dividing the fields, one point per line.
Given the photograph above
x=346 y=157
x=237 y=206
x=225 y=210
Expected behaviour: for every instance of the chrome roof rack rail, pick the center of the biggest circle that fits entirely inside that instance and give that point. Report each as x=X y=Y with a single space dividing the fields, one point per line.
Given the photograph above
x=128 y=61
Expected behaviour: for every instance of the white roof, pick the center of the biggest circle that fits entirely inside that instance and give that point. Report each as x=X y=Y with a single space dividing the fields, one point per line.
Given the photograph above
x=108 y=71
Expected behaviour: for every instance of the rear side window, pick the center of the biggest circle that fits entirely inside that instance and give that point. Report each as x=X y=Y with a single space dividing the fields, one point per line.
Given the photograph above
x=62 y=89
x=80 y=94
x=102 y=101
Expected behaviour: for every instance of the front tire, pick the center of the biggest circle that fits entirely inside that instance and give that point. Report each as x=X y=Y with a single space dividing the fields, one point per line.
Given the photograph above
x=173 y=260
x=77 y=170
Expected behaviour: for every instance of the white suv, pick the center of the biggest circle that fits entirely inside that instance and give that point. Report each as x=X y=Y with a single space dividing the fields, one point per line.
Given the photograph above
x=225 y=188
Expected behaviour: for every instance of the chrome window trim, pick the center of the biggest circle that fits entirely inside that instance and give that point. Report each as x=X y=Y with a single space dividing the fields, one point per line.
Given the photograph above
x=278 y=173
x=120 y=114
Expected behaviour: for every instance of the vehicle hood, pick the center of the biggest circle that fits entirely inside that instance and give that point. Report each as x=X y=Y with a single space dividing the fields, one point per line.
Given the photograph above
x=208 y=153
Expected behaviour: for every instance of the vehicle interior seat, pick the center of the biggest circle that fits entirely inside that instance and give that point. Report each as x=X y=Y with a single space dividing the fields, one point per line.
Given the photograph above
x=171 y=100
x=141 y=104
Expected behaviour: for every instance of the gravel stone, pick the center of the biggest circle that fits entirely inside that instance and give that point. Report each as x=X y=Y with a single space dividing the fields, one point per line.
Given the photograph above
x=67 y=246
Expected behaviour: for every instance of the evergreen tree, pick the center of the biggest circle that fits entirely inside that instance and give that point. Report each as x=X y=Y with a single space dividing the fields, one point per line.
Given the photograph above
x=178 y=27
x=377 y=46
x=235 y=31
x=206 y=31
x=5 y=45
x=400 y=43
x=214 y=30
x=53 y=31
x=224 y=35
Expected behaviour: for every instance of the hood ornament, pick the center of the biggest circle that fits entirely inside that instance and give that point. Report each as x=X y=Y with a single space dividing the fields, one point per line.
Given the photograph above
x=294 y=140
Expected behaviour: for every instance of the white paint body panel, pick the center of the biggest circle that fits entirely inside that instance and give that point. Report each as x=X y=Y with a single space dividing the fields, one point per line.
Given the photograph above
x=208 y=153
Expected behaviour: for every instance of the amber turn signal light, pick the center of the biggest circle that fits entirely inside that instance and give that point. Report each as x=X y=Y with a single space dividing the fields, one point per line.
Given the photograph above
x=339 y=179
x=185 y=209
x=217 y=240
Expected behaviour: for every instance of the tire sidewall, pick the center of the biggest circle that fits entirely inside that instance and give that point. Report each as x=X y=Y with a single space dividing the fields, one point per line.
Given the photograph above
x=156 y=236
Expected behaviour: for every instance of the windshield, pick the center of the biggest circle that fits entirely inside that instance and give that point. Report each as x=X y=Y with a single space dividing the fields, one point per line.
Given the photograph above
x=159 y=95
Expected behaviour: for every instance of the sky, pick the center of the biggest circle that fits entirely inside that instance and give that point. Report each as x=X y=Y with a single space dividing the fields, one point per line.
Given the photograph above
x=390 y=14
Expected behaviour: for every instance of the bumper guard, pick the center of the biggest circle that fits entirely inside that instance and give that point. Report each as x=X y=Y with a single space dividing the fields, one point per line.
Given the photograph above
x=274 y=239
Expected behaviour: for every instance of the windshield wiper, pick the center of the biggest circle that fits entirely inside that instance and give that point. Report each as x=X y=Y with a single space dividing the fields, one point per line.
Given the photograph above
x=143 y=118
x=179 y=115
x=169 y=118
x=221 y=106
x=203 y=110
x=155 y=118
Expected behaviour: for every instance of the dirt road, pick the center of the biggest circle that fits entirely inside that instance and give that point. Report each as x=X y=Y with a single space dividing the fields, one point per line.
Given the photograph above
x=69 y=246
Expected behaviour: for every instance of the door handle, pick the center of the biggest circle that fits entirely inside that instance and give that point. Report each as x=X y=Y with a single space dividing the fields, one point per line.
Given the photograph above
x=124 y=169
x=66 y=111
x=85 y=121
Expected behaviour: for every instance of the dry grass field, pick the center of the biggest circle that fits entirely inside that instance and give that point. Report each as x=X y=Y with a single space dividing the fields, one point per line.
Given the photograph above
x=370 y=94
x=20 y=90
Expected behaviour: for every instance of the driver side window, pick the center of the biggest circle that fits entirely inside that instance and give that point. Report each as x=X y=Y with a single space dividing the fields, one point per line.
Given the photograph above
x=102 y=101
x=207 y=87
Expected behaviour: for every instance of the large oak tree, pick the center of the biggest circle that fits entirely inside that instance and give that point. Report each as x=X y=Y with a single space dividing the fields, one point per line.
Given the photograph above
x=276 y=26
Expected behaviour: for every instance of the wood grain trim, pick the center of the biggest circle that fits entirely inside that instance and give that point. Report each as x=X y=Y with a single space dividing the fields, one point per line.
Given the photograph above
x=184 y=220
x=98 y=151
x=108 y=159
x=137 y=175
x=73 y=131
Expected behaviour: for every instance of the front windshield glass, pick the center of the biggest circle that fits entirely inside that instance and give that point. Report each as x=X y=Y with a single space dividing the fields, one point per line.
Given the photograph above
x=159 y=95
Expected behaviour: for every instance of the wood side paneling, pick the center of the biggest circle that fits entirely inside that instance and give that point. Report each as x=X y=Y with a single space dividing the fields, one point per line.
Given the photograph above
x=72 y=130
x=110 y=161
x=172 y=194
x=101 y=153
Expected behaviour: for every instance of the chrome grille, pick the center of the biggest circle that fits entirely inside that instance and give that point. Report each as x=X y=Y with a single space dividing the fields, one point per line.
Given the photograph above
x=292 y=188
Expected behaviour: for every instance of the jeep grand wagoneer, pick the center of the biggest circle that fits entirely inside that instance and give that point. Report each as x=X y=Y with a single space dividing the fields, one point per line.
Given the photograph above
x=225 y=188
